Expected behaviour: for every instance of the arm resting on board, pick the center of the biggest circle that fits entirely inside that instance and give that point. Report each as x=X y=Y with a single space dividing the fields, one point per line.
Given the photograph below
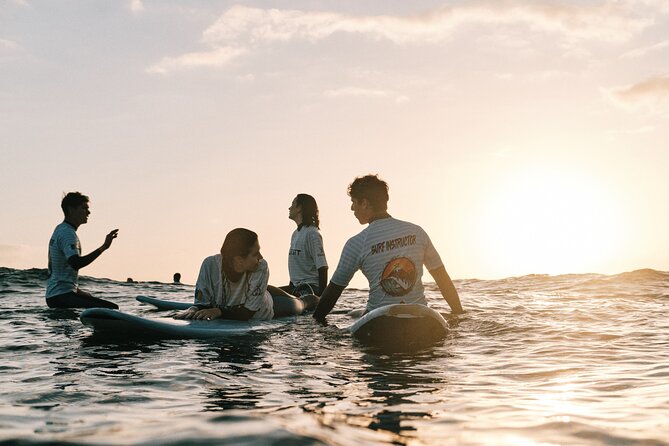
x=238 y=313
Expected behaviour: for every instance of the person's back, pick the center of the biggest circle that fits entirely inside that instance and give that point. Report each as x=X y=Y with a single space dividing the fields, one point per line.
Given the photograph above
x=391 y=254
x=64 y=243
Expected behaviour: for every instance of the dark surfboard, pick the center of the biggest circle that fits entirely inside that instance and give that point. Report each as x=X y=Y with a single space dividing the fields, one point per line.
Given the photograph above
x=400 y=327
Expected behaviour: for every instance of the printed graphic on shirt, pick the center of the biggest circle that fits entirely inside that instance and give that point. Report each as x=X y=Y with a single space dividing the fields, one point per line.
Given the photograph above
x=256 y=290
x=399 y=276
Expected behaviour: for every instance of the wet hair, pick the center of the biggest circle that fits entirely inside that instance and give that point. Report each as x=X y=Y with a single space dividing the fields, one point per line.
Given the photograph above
x=371 y=187
x=309 y=210
x=72 y=200
x=238 y=242
x=177 y=277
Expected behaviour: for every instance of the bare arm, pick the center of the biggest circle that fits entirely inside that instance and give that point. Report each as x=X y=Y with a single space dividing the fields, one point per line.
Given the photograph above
x=239 y=313
x=78 y=262
x=447 y=289
x=328 y=300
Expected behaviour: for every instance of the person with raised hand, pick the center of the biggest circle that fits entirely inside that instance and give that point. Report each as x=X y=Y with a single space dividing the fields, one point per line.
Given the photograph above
x=65 y=259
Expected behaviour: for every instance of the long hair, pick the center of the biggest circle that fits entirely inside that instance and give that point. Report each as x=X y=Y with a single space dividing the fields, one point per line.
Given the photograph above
x=371 y=187
x=309 y=210
x=238 y=242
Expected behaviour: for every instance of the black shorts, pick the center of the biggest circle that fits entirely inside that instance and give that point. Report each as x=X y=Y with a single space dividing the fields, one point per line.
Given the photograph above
x=74 y=300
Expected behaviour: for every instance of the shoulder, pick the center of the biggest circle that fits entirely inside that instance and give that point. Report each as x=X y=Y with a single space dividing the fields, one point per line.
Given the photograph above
x=407 y=224
x=312 y=231
x=261 y=271
x=64 y=228
x=213 y=260
x=357 y=240
x=263 y=265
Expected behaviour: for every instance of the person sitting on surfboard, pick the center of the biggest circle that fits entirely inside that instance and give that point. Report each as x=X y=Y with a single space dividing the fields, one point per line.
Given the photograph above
x=233 y=284
x=65 y=259
x=389 y=252
x=306 y=258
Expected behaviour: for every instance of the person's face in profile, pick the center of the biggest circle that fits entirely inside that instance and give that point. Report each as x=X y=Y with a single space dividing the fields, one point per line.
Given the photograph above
x=79 y=214
x=252 y=260
x=294 y=210
x=361 y=210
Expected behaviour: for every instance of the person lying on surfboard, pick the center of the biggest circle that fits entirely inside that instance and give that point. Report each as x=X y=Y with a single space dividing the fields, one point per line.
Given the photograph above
x=389 y=252
x=233 y=284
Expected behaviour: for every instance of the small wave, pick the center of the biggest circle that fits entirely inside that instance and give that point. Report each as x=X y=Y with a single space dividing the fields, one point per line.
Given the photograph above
x=543 y=374
x=645 y=274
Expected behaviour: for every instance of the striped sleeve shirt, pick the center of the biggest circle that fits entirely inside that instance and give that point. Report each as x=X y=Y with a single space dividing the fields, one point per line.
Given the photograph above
x=391 y=254
x=64 y=244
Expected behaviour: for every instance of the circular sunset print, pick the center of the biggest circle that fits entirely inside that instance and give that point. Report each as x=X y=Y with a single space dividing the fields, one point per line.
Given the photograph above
x=399 y=276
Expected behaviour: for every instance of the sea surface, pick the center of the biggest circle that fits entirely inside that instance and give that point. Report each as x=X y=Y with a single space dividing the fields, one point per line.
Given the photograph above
x=535 y=360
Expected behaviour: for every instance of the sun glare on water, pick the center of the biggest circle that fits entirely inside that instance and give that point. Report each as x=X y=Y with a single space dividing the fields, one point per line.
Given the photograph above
x=550 y=222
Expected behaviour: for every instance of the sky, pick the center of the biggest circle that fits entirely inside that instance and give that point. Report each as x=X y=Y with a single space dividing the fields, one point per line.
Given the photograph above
x=526 y=137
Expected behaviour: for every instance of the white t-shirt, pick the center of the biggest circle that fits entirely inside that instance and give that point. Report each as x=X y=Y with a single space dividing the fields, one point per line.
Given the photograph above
x=306 y=255
x=213 y=290
x=391 y=254
x=64 y=244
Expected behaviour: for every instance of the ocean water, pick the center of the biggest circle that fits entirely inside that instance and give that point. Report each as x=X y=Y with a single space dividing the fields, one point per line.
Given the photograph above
x=536 y=360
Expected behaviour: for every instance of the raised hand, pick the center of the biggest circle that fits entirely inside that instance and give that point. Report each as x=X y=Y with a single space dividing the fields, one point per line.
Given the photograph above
x=109 y=239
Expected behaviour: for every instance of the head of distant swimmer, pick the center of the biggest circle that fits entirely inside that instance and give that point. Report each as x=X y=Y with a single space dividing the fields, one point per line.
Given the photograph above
x=304 y=210
x=369 y=197
x=75 y=208
x=176 y=277
x=240 y=253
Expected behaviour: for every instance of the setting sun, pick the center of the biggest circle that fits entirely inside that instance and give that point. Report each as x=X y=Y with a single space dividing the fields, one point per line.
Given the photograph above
x=550 y=221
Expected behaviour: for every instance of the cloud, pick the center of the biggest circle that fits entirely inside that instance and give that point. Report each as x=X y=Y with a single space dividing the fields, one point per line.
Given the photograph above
x=136 y=6
x=648 y=93
x=365 y=92
x=8 y=45
x=248 y=27
x=640 y=52
x=658 y=6
x=254 y=25
x=653 y=87
x=215 y=58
